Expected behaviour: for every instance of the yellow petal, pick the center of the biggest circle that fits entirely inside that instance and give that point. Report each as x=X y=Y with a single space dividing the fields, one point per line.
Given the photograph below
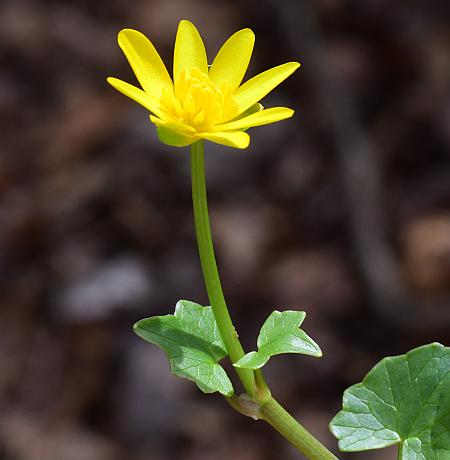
x=145 y=62
x=141 y=97
x=233 y=58
x=257 y=119
x=237 y=139
x=189 y=50
x=257 y=87
x=173 y=125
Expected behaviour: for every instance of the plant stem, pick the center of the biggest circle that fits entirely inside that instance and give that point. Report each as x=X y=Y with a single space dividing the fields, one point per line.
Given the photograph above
x=259 y=403
x=400 y=451
x=209 y=266
x=262 y=392
x=274 y=414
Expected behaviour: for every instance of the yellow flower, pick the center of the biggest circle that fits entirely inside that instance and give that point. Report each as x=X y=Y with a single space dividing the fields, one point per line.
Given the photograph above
x=201 y=102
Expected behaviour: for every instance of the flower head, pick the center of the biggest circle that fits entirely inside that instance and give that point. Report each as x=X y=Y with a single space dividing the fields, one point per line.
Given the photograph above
x=201 y=102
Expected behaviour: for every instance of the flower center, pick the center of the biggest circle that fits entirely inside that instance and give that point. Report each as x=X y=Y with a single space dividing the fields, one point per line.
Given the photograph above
x=198 y=102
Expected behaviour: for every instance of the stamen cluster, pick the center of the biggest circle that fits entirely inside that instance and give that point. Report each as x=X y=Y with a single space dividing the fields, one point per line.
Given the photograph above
x=196 y=101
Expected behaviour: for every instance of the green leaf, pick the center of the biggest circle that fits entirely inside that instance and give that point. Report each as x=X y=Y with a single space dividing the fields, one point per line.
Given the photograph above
x=412 y=449
x=191 y=340
x=280 y=334
x=403 y=400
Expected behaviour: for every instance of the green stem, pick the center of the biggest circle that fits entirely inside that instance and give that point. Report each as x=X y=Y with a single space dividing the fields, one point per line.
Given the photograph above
x=209 y=266
x=259 y=403
x=262 y=392
x=400 y=451
x=274 y=414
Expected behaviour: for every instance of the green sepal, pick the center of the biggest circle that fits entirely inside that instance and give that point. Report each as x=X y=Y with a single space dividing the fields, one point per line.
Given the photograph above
x=280 y=334
x=257 y=107
x=191 y=340
x=403 y=400
x=172 y=138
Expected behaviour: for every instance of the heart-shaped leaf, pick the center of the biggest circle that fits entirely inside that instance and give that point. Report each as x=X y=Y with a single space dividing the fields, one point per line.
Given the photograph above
x=403 y=400
x=280 y=334
x=191 y=340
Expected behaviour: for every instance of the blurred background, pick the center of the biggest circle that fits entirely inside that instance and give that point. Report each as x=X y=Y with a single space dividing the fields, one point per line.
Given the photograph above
x=343 y=211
